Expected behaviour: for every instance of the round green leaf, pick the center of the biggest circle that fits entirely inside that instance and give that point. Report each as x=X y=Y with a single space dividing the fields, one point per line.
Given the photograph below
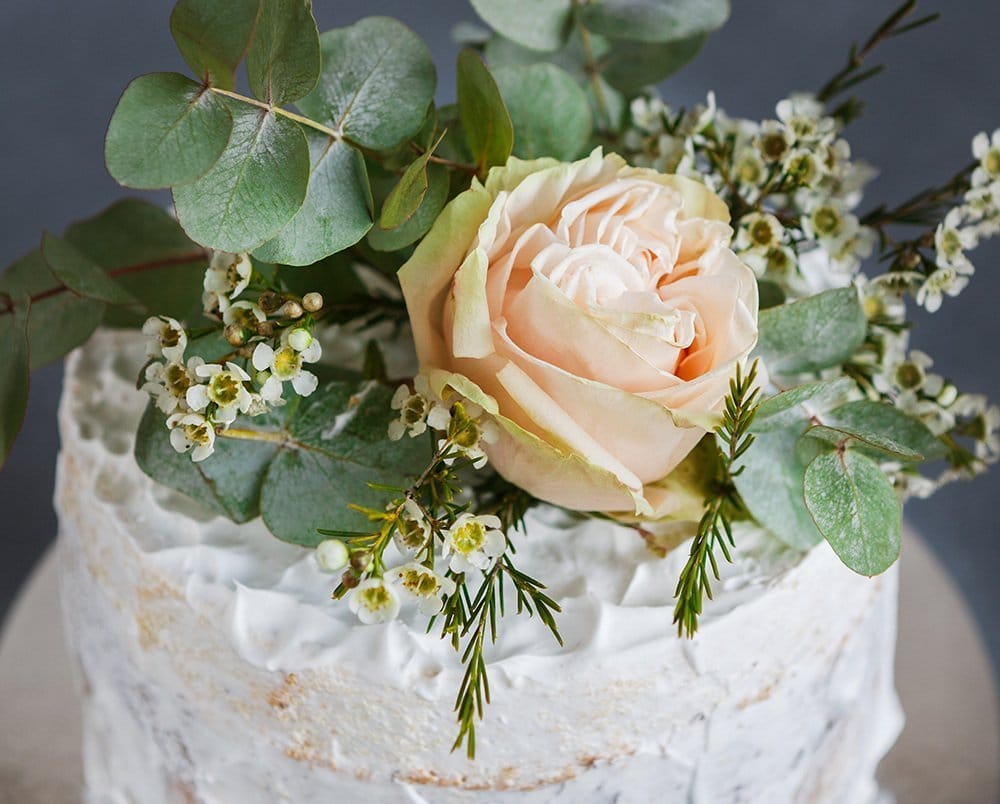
x=631 y=66
x=654 y=20
x=80 y=275
x=213 y=35
x=283 y=62
x=537 y=24
x=549 y=111
x=255 y=187
x=420 y=222
x=376 y=84
x=339 y=446
x=855 y=508
x=166 y=130
x=336 y=213
x=875 y=421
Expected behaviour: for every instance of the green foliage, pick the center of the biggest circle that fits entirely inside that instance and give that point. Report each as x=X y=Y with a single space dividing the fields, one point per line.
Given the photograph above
x=59 y=321
x=770 y=485
x=254 y=189
x=485 y=120
x=855 y=508
x=166 y=130
x=299 y=466
x=283 y=61
x=79 y=274
x=715 y=529
x=536 y=24
x=228 y=483
x=336 y=213
x=406 y=197
x=150 y=256
x=14 y=368
x=872 y=442
x=548 y=109
x=789 y=407
x=336 y=446
x=631 y=66
x=654 y=20
x=417 y=225
x=868 y=421
x=813 y=333
x=376 y=84
x=213 y=36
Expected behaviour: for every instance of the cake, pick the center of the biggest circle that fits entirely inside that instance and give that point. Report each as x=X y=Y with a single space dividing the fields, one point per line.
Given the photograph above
x=215 y=668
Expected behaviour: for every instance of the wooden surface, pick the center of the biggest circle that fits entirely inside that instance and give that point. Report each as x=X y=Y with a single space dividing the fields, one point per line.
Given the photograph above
x=949 y=752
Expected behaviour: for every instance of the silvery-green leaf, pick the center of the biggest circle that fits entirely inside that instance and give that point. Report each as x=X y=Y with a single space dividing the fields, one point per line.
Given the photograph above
x=283 y=61
x=536 y=24
x=213 y=35
x=798 y=404
x=80 y=275
x=421 y=221
x=654 y=20
x=855 y=508
x=485 y=120
x=870 y=420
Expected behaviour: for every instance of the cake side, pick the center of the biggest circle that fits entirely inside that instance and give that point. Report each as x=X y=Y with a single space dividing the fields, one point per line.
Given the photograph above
x=216 y=668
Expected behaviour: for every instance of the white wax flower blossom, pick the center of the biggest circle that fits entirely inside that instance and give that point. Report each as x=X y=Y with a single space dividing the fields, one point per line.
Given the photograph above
x=300 y=339
x=773 y=141
x=465 y=431
x=225 y=388
x=168 y=383
x=803 y=115
x=413 y=531
x=165 y=337
x=759 y=230
x=422 y=585
x=285 y=364
x=945 y=281
x=228 y=274
x=192 y=431
x=413 y=409
x=332 y=555
x=474 y=542
x=245 y=314
x=374 y=601
x=986 y=148
x=952 y=240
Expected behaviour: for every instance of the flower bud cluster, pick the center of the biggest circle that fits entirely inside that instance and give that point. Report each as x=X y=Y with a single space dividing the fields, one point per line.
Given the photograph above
x=273 y=339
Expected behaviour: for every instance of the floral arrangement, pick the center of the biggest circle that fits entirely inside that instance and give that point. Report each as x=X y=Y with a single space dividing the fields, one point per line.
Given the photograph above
x=390 y=328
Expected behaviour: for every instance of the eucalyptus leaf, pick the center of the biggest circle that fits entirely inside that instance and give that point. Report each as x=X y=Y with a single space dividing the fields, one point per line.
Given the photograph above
x=485 y=119
x=228 y=482
x=654 y=20
x=405 y=198
x=149 y=255
x=798 y=404
x=213 y=35
x=376 y=84
x=337 y=211
x=770 y=484
x=548 y=109
x=813 y=333
x=14 y=368
x=770 y=294
x=870 y=420
x=537 y=24
x=59 y=321
x=870 y=442
x=254 y=189
x=855 y=508
x=337 y=447
x=166 y=130
x=421 y=221
x=283 y=61
x=632 y=66
x=80 y=275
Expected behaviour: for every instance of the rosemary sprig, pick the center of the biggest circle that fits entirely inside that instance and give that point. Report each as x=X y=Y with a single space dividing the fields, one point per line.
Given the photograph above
x=474 y=618
x=715 y=527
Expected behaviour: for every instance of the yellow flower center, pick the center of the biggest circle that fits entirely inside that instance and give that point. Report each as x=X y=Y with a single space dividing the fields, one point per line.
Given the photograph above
x=468 y=538
x=423 y=584
x=287 y=363
x=376 y=597
x=197 y=433
x=909 y=375
x=224 y=388
x=991 y=161
x=176 y=379
x=826 y=220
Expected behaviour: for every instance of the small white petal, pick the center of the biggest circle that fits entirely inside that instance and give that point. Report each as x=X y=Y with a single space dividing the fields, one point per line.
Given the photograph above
x=304 y=383
x=197 y=397
x=263 y=357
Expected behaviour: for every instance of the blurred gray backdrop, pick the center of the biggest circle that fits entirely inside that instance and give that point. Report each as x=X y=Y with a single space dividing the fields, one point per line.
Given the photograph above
x=64 y=63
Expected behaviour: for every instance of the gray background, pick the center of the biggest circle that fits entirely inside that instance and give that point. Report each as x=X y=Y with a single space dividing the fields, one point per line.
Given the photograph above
x=63 y=65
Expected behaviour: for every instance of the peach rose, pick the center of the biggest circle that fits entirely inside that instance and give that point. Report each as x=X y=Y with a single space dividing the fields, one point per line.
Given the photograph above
x=596 y=311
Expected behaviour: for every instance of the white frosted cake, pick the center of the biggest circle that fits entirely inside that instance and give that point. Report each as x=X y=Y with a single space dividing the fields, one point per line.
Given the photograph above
x=215 y=668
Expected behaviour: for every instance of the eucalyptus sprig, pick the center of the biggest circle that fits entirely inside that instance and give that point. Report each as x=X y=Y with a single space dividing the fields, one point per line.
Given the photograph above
x=715 y=527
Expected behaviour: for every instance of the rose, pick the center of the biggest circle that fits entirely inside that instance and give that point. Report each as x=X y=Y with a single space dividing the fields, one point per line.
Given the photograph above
x=597 y=312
